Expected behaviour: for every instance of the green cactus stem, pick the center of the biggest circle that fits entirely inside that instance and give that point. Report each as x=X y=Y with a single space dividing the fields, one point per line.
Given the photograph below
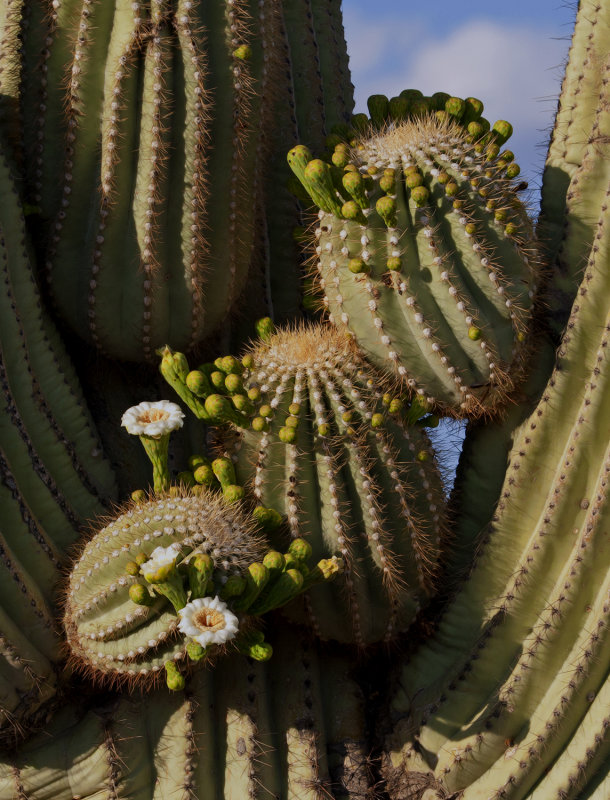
x=53 y=477
x=200 y=113
x=576 y=175
x=328 y=448
x=425 y=255
x=143 y=255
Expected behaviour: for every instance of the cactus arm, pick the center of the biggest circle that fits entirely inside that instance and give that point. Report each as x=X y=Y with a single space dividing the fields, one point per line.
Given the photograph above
x=435 y=281
x=306 y=76
x=575 y=121
x=337 y=88
x=482 y=468
x=41 y=99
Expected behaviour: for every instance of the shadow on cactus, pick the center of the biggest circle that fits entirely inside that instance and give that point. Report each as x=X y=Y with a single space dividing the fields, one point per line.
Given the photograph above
x=424 y=252
x=175 y=580
x=315 y=435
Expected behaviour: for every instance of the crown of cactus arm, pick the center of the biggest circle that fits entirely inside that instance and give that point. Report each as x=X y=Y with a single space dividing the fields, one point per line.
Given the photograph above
x=177 y=580
x=425 y=254
x=320 y=442
x=291 y=728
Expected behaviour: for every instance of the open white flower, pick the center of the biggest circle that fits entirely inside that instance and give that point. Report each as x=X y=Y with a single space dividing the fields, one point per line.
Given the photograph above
x=153 y=419
x=207 y=620
x=161 y=563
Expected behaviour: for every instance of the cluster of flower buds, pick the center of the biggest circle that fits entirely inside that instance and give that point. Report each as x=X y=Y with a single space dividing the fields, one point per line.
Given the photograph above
x=133 y=610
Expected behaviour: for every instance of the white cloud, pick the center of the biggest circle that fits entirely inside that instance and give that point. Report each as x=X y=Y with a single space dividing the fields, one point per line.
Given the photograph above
x=372 y=44
x=510 y=68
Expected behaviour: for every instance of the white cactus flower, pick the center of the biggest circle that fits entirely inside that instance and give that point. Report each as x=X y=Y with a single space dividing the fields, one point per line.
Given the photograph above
x=161 y=563
x=207 y=620
x=153 y=419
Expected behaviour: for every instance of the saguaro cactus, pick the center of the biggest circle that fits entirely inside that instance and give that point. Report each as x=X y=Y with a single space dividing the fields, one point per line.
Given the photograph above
x=508 y=697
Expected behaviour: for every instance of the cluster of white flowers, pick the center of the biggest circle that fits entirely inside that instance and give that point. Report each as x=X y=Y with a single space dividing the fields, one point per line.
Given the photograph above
x=160 y=558
x=207 y=620
x=153 y=419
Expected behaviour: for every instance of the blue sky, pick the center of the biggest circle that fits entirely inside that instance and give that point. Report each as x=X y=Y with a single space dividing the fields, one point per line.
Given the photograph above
x=510 y=56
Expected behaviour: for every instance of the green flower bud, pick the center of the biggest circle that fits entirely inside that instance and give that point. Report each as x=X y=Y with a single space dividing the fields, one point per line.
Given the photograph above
x=140 y=595
x=174 y=679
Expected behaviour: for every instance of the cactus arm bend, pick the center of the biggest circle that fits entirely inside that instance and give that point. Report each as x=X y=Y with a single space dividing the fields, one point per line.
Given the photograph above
x=53 y=475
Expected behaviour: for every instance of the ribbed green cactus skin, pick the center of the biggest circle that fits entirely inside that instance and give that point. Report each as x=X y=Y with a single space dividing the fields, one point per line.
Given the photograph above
x=53 y=476
x=509 y=698
x=135 y=243
x=527 y=669
x=428 y=261
x=287 y=729
x=157 y=248
x=309 y=99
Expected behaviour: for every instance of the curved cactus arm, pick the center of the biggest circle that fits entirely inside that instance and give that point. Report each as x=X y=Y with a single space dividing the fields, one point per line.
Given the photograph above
x=575 y=123
x=53 y=475
x=40 y=387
